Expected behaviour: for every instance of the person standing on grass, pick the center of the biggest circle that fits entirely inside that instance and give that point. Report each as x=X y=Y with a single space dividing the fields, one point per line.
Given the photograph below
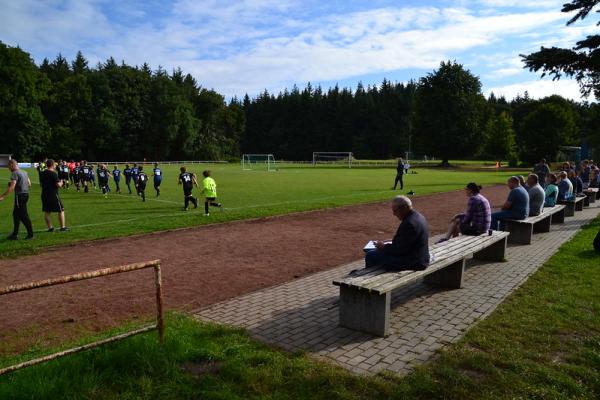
x=140 y=184
x=135 y=170
x=84 y=174
x=188 y=181
x=515 y=207
x=51 y=201
x=127 y=173
x=476 y=220
x=20 y=184
x=209 y=191
x=542 y=171
x=409 y=250
x=399 y=174
x=157 y=174
x=76 y=176
x=116 y=174
x=537 y=196
x=103 y=176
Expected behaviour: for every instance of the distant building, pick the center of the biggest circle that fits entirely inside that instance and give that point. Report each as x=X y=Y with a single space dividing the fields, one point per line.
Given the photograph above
x=4 y=158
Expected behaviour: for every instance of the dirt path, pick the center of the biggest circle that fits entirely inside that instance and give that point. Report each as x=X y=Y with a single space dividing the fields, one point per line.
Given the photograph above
x=201 y=266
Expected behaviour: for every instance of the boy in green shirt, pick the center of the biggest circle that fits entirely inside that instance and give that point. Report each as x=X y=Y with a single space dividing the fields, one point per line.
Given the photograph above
x=209 y=191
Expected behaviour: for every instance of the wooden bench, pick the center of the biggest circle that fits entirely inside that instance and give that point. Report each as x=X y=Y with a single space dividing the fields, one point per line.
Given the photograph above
x=590 y=194
x=365 y=297
x=521 y=231
x=572 y=206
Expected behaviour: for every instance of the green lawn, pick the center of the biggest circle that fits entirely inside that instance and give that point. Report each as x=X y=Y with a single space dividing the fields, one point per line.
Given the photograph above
x=245 y=194
x=542 y=343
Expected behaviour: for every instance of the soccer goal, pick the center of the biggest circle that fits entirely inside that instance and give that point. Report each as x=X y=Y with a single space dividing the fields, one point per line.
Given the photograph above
x=333 y=158
x=258 y=162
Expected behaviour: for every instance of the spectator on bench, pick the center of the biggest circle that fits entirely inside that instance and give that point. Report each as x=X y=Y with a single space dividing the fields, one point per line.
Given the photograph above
x=594 y=181
x=551 y=192
x=542 y=171
x=565 y=187
x=537 y=196
x=576 y=181
x=515 y=207
x=409 y=249
x=476 y=220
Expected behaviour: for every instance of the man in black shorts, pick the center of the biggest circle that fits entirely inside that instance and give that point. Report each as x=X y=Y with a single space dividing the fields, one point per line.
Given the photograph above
x=84 y=175
x=142 y=180
x=399 y=174
x=103 y=176
x=50 y=200
x=188 y=180
x=76 y=176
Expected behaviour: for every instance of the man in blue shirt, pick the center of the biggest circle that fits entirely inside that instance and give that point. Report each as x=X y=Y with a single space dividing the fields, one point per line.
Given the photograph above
x=515 y=207
x=157 y=174
x=116 y=173
x=135 y=171
x=127 y=173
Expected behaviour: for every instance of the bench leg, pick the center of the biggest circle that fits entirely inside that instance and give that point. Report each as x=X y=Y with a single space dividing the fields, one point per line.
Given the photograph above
x=495 y=252
x=569 y=209
x=592 y=198
x=558 y=217
x=543 y=225
x=365 y=311
x=579 y=206
x=519 y=233
x=598 y=195
x=449 y=277
x=586 y=201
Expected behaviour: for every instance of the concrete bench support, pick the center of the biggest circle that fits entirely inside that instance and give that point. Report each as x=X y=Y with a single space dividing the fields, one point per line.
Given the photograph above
x=495 y=252
x=363 y=311
x=450 y=277
x=559 y=216
x=520 y=233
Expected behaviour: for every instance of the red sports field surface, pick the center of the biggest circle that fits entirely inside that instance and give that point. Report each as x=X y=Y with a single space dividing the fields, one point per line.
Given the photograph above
x=201 y=266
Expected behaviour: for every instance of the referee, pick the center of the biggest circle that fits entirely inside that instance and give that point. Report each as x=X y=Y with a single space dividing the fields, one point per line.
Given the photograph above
x=399 y=174
x=19 y=183
x=50 y=200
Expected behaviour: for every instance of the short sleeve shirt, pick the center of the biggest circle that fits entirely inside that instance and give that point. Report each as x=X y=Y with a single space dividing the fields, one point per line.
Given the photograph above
x=22 y=185
x=48 y=181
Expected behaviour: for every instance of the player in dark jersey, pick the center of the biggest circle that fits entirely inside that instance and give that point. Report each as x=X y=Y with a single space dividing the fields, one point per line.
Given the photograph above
x=188 y=180
x=84 y=175
x=63 y=173
x=127 y=173
x=142 y=180
x=103 y=176
x=92 y=176
x=76 y=176
x=116 y=173
x=135 y=170
x=157 y=174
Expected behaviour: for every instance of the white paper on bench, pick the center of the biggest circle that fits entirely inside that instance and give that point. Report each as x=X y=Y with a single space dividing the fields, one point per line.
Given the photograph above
x=371 y=245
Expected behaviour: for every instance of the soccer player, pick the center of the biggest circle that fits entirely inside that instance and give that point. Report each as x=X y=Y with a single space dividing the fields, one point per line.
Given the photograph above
x=142 y=180
x=188 y=180
x=63 y=173
x=134 y=176
x=76 y=176
x=50 y=200
x=157 y=174
x=103 y=176
x=84 y=175
x=71 y=170
x=127 y=173
x=92 y=176
x=116 y=173
x=209 y=190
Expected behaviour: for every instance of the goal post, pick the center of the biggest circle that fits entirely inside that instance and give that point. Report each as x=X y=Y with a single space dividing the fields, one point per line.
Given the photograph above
x=333 y=158
x=258 y=162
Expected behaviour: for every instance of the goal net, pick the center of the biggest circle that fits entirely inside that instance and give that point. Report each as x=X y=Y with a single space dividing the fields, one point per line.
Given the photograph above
x=258 y=162
x=342 y=158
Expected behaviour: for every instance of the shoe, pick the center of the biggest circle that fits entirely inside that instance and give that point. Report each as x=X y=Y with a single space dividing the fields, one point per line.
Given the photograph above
x=29 y=237
x=185 y=208
x=207 y=215
x=442 y=240
x=65 y=229
x=12 y=237
x=50 y=229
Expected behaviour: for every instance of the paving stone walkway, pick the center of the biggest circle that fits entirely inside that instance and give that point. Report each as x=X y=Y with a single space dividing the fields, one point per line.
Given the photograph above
x=303 y=314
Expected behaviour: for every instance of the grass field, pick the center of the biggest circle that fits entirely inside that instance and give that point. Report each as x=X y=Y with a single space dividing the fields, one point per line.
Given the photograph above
x=245 y=194
x=541 y=343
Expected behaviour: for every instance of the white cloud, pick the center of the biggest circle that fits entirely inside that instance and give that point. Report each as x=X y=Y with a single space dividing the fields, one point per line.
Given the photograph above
x=539 y=89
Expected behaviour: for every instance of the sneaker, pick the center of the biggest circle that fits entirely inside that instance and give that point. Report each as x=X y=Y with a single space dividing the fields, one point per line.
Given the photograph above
x=12 y=237
x=185 y=208
x=442 y=240
x=29 y=237
x=50 y=229
x=207 y=215
x=65 y=229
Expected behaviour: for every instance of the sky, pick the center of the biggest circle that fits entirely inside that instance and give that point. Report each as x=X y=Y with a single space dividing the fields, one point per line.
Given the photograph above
x=247 y=46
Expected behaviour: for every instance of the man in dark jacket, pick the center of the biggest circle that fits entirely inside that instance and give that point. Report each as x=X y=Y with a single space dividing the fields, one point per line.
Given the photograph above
x=399 y=174
x=409 y=249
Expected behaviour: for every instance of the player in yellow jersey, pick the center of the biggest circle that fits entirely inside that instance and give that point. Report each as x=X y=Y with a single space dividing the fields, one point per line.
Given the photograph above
x=209 y=191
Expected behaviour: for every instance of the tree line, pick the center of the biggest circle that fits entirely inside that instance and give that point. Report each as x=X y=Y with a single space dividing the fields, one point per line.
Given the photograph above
x=119 y=112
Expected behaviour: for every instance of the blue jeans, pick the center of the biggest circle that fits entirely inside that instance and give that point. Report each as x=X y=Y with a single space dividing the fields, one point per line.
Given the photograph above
x=376 y=258
x=498 y=219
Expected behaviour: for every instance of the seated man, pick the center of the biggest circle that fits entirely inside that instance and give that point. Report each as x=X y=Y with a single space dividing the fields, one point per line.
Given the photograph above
x=409 y=249
x=576 y=182
x=515 y=207
x=565 y=187
x=537 y=196
x=551 y=191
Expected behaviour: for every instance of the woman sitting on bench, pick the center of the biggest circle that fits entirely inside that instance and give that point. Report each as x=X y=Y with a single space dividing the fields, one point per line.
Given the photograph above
x=476 y=220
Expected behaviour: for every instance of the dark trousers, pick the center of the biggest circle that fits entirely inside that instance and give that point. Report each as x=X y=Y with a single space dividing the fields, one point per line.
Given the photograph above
x=210 y=201
x=376 y=258
x=399 y=179
x=20 y=214
x=186 y=201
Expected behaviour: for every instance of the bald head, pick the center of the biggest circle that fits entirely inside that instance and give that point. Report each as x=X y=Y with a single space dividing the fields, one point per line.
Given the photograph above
x=402 y=201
